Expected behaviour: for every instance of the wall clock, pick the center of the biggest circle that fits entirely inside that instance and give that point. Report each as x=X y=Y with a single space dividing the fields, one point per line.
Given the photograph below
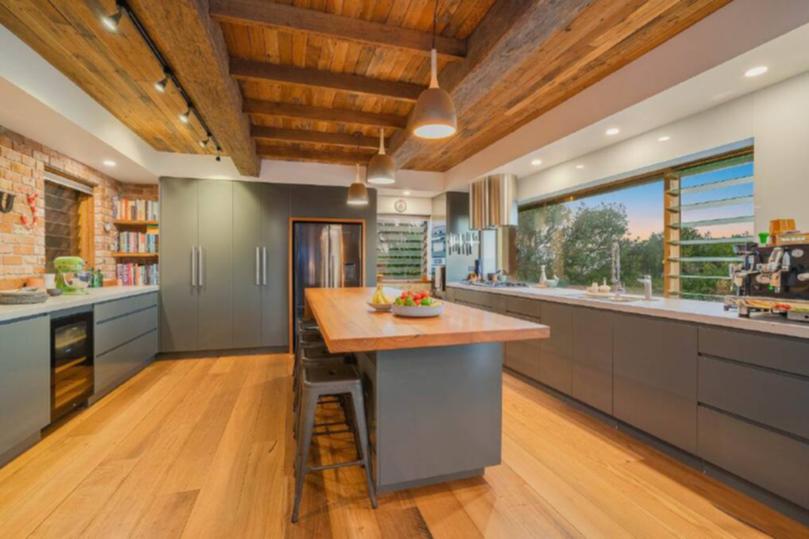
x=400 y=206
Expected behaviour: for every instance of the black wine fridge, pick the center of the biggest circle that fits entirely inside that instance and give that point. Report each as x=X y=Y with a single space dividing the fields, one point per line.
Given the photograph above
x=71 y=362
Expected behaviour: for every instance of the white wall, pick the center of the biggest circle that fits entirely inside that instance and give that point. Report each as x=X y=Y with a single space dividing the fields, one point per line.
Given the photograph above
x=415 y=205
x=736 y=29
x=775 y=120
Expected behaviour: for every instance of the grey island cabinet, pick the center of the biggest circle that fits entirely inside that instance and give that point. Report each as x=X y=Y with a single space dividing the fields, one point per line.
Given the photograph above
x=733 y=401
x=433 y=386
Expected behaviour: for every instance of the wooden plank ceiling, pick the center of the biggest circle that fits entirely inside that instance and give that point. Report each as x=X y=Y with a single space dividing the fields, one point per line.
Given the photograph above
x=316 y=80
x=308 y=68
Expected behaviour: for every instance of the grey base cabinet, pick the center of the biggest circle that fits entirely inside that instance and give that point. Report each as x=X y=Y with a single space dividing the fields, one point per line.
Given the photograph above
x=556 y=358
x=522 y=356
x=753 y=421
x=737 y=400
x=25 y=382
x=125 y=339
x=774 y=461
x=655 y=378
x=592 y=358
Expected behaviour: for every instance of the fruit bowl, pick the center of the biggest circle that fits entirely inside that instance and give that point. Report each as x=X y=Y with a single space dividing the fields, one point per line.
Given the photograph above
x=418 y=311
x=381 y=307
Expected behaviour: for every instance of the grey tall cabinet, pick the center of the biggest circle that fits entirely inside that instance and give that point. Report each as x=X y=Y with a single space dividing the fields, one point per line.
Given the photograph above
x=260 y=248
x=223 y=249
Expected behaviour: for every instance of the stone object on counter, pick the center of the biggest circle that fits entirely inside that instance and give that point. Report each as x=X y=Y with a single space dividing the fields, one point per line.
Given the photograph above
x=23 y=296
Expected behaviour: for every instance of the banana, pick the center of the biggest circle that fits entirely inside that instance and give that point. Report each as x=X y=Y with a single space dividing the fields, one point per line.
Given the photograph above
x=379 y=298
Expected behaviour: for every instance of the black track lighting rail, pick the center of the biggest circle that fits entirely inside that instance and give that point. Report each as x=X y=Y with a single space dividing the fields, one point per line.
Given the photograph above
x=168 y=72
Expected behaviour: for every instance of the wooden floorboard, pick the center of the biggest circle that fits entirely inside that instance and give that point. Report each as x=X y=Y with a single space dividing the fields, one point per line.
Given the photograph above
x=203 y=448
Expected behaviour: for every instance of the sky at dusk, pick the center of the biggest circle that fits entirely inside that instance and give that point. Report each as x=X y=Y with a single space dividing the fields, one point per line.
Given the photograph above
x=644 y=203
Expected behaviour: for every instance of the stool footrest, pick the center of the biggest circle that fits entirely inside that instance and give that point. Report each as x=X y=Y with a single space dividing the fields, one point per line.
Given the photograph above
x=330 y=432
x=335 y=465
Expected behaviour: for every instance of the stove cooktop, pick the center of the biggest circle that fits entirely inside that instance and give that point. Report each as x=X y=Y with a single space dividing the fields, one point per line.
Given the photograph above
x=497 y=284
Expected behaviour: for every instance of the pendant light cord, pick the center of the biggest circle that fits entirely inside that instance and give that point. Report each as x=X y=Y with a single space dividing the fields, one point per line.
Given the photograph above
x=433 y=52
x=435 y=20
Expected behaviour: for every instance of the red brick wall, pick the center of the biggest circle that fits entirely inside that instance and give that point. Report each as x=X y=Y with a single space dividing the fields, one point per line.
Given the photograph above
x=22 y=168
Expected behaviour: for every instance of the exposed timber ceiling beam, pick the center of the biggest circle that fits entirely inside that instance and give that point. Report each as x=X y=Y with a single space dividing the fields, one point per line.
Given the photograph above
x=289 y=153
x=194 y=45
x=284 y=74
x=258 y=13
x=323 y=114
x=314 y=137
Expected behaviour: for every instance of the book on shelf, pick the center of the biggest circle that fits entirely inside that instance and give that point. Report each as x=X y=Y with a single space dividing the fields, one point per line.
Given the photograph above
x=125 y=209
x=138 y=242
x=137 y=274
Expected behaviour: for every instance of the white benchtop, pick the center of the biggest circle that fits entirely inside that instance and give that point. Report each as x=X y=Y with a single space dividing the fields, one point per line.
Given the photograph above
x=58 y=303
x=704 y=312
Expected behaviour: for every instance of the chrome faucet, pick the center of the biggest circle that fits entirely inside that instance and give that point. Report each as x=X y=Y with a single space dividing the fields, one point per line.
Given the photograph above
x=617 y=287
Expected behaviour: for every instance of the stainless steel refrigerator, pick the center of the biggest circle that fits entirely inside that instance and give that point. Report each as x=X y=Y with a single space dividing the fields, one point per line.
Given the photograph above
x=325 y=255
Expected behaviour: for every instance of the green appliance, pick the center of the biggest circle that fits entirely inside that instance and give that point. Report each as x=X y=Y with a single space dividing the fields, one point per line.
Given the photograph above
x=68 y=269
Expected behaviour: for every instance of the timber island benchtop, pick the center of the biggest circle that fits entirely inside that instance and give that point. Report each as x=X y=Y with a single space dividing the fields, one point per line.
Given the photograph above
x=348 y=324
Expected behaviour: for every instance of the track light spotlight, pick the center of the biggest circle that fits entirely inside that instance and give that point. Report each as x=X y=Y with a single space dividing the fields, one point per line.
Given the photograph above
x=204 y=142
x=111 y=22
x=163 y=83
x=185 y=117
x=218 y=154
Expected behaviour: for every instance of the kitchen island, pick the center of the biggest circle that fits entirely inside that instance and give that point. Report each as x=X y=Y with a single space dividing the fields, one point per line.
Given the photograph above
x=432 y=385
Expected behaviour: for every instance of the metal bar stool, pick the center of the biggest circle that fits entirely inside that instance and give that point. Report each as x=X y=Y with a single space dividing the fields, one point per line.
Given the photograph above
x=319 y=382
x=316 y=356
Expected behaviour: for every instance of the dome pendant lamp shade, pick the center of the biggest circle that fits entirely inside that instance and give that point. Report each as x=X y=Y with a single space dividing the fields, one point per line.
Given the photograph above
x=434 y=114
x=382 y=167
x=357 y=192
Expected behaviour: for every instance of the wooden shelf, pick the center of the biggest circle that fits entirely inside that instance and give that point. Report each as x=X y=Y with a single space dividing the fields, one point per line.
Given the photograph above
x=124 y=222
x=135 y=255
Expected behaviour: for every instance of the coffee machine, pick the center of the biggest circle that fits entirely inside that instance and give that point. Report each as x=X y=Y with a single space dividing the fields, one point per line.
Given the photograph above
x=772 y=278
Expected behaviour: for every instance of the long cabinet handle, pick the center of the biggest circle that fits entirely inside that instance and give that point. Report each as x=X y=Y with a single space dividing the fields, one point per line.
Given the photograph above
x=258 y=266
x=200 y=264
x=193 y=267
x=264 y=266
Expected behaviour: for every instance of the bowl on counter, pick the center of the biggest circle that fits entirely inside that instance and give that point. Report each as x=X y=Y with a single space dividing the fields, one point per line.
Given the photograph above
x=418 y=311
x=380 y=307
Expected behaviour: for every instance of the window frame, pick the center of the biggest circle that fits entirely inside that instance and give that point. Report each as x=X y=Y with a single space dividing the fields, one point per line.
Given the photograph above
x=671 y=177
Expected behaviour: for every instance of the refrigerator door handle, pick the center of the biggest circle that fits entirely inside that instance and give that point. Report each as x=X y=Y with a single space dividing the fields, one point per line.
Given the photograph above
x=199 y=266
x=264 y=265
x=258 y=267
x=193 y=267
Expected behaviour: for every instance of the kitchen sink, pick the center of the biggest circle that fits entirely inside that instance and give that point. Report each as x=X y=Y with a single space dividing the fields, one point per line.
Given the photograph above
x=623 y=298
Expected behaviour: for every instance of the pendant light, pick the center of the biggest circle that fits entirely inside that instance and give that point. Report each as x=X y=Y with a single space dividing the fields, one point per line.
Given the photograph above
x=434 y=114
x=357 y=192
x=381 y=167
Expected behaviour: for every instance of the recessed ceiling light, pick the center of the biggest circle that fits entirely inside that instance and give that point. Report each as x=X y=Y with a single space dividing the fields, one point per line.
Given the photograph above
x=536 y=162
x=664 y=138
x=109 y=163
x=612 y=131
x=755 y=71
x=580 y=166
x=406 y=193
